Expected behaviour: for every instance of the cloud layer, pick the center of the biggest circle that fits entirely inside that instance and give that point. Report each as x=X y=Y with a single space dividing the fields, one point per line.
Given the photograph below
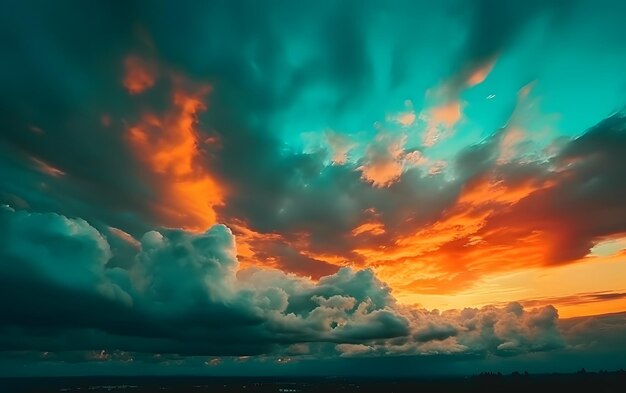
x=182 y=293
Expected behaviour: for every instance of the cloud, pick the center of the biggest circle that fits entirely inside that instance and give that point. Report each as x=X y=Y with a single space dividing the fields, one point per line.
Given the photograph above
x=504 y=331
x=70 y=253
x=353 y=349
x=139 y=76
x=281 y=255
x=195 y=137
x=182 y=293
x=339 y=146
x=601 y=333
x=493 y=26
x=386 y=159
x=180 y=286
x=172 y=149
x=584 y=182
x=549 y=208
x=440 y=121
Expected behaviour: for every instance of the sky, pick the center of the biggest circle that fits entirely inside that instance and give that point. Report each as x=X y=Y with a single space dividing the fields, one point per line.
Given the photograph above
x=280 y=188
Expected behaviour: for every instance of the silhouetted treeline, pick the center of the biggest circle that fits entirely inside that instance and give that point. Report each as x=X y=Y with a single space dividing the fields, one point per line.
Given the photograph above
x=596 y=382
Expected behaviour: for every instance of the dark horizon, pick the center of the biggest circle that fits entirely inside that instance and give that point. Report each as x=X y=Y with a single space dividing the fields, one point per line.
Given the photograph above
x=486 y=381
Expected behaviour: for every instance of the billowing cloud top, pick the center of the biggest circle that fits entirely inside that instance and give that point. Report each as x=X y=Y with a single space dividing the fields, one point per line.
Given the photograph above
x=182 y=294
x=293 y=180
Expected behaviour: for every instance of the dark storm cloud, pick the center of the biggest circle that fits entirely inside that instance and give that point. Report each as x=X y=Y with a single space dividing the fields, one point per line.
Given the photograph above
x=180 y=294
x=68 y=284
x=61 y=86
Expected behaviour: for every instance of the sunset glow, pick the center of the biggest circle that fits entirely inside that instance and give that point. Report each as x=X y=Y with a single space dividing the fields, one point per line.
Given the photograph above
x=251 y=187
x=170 y=147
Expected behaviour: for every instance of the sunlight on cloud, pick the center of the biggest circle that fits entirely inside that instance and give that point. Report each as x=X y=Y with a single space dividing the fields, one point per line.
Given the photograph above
x=170 y=145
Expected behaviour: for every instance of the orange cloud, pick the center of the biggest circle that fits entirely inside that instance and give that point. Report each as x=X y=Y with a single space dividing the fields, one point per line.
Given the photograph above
x=248 y=241
x=437 y=167
x=382 y=173
x=593 y=302
x=449 y=254
x=511 y=139
x=139 y=75
x=372 y=228
x=383 y=161
x=440 y=120
x=567 y=287
x=36 y=130
x=478 y=75
x=256 y=249
x=339 y=146
x=448 y=114
x=169 y=146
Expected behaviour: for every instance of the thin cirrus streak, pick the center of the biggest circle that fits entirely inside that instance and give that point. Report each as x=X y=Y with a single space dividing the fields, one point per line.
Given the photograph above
x=440 y=120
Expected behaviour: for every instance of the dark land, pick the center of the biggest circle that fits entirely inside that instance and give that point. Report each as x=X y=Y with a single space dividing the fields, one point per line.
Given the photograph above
x=600 y=382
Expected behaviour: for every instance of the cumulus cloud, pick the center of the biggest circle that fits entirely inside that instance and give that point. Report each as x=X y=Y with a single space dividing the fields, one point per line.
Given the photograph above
x=184 y=293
